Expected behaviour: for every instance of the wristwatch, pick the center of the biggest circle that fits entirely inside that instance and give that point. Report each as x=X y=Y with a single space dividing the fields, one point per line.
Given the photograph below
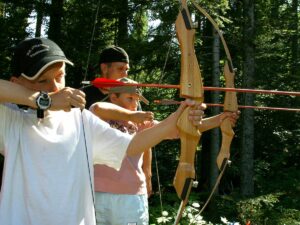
x=43 y=102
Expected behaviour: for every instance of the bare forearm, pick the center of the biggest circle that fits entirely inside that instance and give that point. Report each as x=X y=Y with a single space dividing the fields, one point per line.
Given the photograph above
x=215 y=121
x=62 y=99
x=149 y=137
x=147 y=159
x=14 y=93
x=210 y=123
x=109 y=111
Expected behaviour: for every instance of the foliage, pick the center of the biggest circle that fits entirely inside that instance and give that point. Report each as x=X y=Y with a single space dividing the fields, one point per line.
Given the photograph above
x=276 y=208
x=12 y=17
x=190 y=216
x=155 y=58
x=266 y=209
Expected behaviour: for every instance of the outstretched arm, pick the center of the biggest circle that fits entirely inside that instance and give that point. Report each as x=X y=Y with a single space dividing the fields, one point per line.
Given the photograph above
x=168 y=127
x=110 y=111
x=215 y=121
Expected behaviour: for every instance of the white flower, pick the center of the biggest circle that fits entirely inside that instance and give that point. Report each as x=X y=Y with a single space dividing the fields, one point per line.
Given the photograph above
x=163 y=219
x=199 y=217
x=190 y=215
x=224 y=220
x=165 y=213
x=196 y=205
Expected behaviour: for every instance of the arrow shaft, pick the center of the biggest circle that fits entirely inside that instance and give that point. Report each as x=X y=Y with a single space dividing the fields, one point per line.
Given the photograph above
x=174 y=102
x=102 y=83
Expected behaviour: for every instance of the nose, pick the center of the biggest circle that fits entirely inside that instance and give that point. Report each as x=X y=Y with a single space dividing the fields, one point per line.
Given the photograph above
x=135 y=105
x=53 y=86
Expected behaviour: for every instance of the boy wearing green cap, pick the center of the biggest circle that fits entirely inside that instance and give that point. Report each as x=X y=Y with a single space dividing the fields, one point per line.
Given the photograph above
x=126 y=188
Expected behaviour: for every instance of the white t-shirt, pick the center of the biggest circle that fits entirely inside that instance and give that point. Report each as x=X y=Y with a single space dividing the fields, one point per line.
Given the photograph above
x=46 y=177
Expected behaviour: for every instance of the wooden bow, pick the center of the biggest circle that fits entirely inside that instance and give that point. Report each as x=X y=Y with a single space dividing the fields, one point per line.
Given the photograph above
x=190 y=87
x=230 y=104
x=230 y=101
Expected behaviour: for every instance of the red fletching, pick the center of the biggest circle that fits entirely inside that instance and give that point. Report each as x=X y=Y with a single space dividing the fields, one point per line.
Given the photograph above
x=104 y=82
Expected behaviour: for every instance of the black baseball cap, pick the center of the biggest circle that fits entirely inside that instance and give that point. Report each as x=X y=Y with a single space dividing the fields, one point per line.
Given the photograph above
x=113 y=54
x=32 y=56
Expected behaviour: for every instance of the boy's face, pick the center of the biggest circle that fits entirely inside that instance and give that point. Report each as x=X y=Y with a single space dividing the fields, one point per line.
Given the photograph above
x=51 y=80
x=114 y=70
x=126 y=100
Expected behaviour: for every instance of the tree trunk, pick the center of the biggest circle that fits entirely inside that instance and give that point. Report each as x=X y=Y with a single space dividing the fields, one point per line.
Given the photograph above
x=122 y=23
x=247 y=184
x=56 y=14
x=39 y=17
x=294 y=47
x=215 y=133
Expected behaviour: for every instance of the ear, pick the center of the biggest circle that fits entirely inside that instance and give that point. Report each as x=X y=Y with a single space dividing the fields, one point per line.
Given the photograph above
x=113 y=98
x=103 y=69
x=15 y=79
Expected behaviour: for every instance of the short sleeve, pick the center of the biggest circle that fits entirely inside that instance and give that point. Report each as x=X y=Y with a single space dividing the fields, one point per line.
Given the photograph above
x=109 y=145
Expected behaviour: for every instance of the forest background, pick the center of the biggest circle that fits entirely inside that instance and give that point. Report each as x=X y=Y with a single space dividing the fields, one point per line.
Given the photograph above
x=262 y=184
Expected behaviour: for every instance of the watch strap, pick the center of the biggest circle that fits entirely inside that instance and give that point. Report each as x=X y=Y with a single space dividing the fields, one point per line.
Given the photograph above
x=40 y=111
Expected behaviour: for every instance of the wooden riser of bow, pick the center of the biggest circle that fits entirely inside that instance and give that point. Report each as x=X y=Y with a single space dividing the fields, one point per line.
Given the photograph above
x=190 y=87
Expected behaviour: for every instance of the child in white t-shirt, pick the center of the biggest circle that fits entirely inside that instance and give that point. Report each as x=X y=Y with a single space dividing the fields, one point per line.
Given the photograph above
x=51 y=146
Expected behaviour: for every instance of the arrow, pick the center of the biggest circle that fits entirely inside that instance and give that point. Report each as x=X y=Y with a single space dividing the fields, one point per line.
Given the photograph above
x=174 y=102
x=104 y=82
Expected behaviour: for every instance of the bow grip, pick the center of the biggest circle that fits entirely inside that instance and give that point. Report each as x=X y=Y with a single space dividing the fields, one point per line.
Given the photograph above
x=185 y=173
x=190 y=87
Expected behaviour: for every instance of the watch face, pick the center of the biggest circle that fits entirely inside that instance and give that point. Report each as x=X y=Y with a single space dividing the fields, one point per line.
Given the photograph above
x=43 y=101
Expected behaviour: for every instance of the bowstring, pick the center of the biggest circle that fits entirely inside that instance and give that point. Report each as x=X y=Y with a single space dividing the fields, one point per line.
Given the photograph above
x=84 y=134
x=158 y=181
x=155 y=156
x=154 y=151
x=91 y=41
x=227 y=162
x=88 y=166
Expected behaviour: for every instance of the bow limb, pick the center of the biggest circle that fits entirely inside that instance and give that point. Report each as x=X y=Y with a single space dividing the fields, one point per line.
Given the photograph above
x=231 y=105
x=190 y=87
x=230 y=101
